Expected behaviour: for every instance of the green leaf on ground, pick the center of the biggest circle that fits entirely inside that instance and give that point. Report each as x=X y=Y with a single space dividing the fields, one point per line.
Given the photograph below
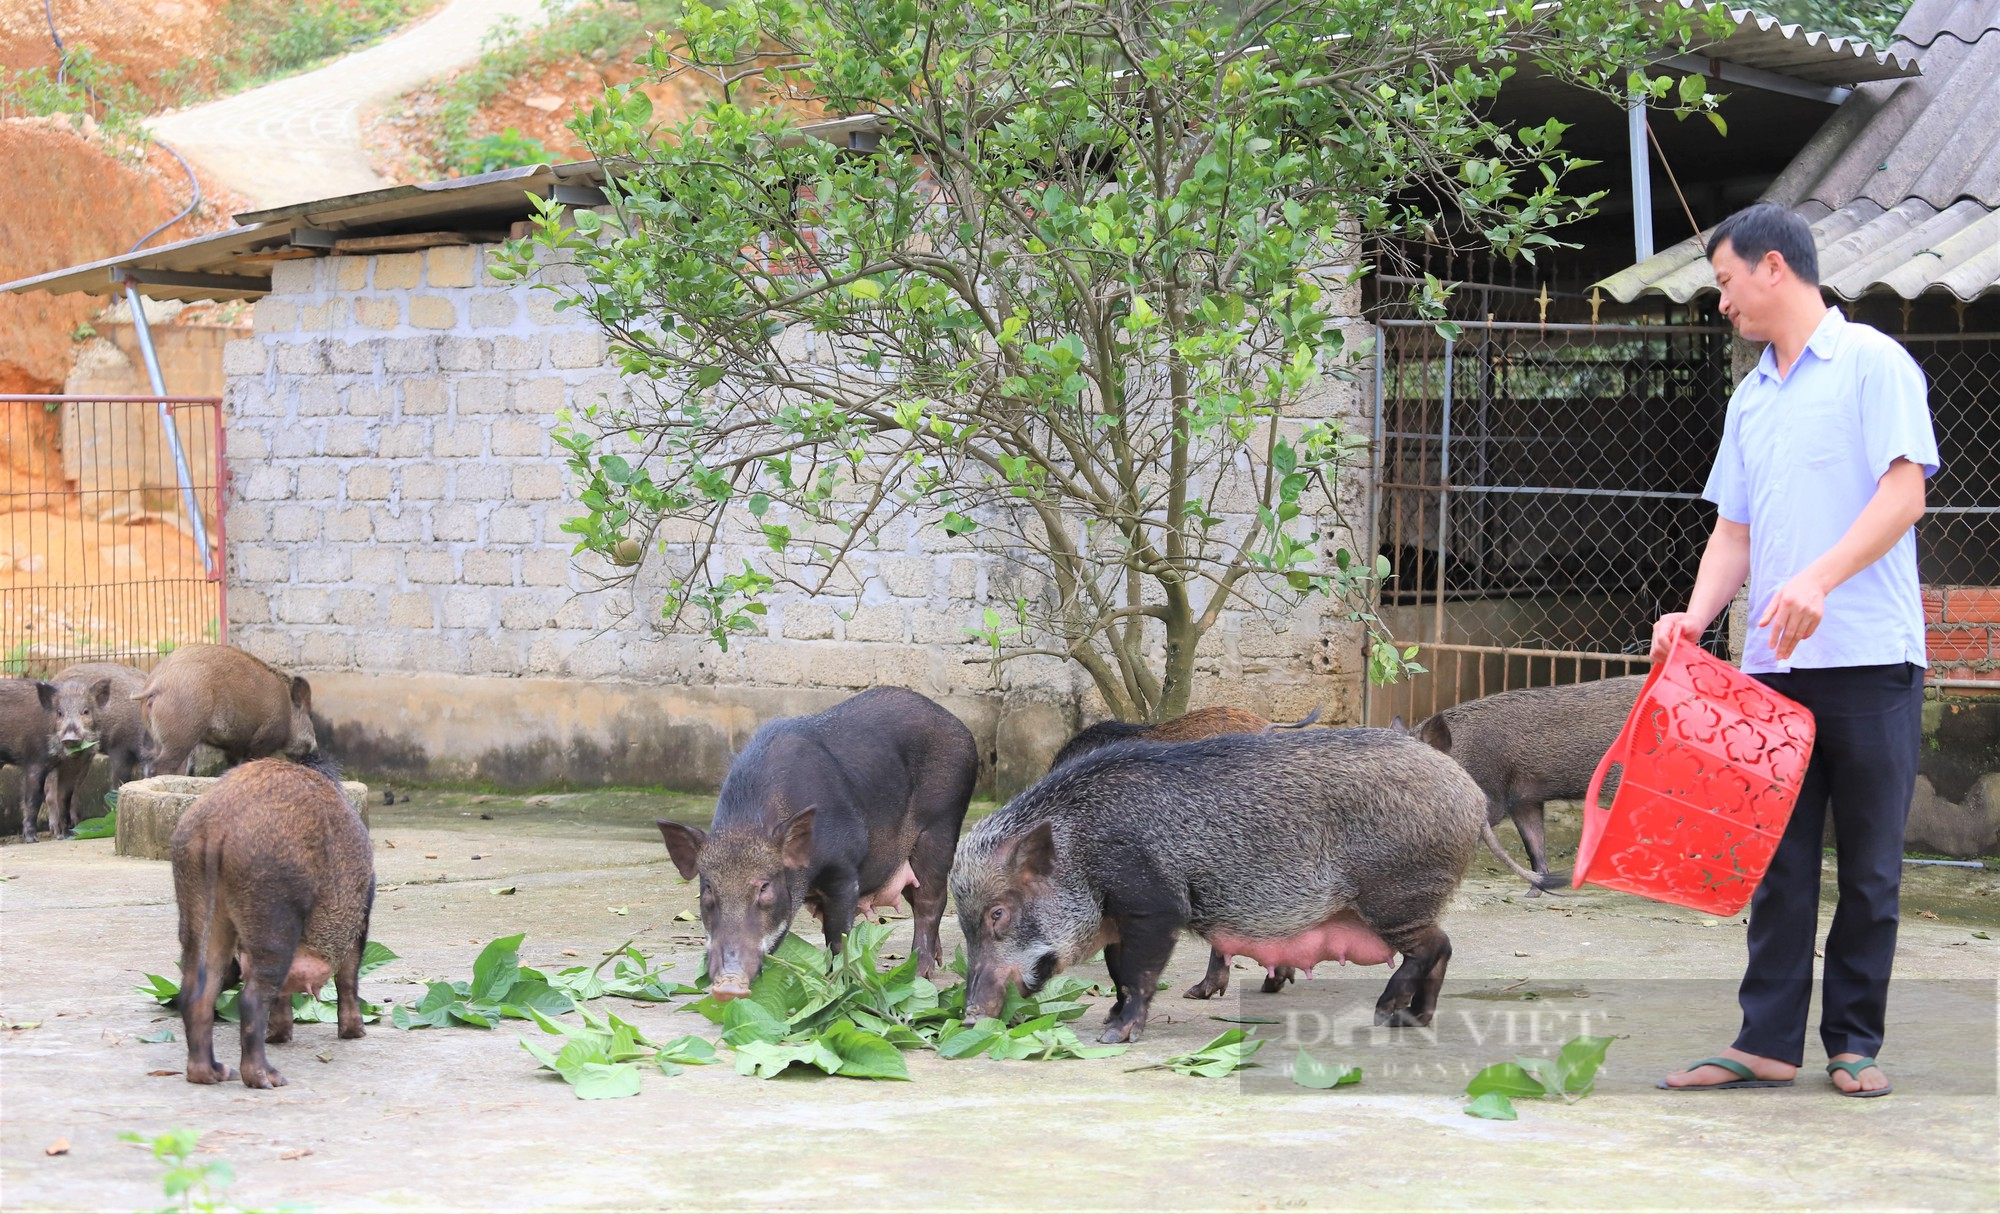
x=1310 y=1072
x=1493 y=1106
x=1227 y=1052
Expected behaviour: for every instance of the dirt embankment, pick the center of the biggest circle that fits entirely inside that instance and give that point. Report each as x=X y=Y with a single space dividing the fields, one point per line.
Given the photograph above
x=152 y=43
x=406 y=138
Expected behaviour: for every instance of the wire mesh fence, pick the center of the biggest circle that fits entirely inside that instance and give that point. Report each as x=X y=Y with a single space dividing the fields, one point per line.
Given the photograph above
x=111 y=529
x=1538 y=495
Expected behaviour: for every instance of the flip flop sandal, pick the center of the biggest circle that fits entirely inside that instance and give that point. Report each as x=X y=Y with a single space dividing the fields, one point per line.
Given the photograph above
x=1854 y=1070
x=1748 y=1078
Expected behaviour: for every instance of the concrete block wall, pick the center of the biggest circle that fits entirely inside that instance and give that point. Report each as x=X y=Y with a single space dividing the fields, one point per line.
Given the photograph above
x=396 y=511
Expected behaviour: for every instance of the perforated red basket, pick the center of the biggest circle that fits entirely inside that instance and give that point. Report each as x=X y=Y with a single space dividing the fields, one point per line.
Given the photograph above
x=1712 y=762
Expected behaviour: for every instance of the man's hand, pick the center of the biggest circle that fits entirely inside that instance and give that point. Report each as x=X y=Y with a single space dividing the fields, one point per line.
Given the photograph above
x=1682 y=623
x=1794 y=613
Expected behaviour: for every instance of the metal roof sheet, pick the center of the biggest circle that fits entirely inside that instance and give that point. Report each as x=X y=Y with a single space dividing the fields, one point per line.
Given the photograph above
x=1902 y=185
x=1769 y=45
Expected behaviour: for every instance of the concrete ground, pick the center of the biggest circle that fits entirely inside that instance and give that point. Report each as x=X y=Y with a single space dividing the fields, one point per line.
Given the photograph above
x=459 y=1118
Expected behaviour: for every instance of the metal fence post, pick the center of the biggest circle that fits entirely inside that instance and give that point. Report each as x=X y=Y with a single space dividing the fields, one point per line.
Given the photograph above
x=181 y=473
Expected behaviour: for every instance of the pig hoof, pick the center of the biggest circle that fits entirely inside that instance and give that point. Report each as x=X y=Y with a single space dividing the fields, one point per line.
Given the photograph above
x=1117 y=1033
x=350 y=1033
x=1276 y=979
x=1202 y=989
x=278 y=1036
x=1402 y=1018
x=268 y=1078
x=210 y=1074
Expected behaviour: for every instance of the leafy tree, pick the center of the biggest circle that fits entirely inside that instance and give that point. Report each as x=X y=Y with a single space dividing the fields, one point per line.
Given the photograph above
x=1076 y=306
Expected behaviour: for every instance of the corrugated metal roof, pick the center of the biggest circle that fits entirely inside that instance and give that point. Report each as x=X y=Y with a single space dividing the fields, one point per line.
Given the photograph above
x=1902 y=185
x=1769 y=45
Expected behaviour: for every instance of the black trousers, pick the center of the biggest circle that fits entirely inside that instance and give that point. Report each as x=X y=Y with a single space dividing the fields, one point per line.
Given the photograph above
x=1864 y=768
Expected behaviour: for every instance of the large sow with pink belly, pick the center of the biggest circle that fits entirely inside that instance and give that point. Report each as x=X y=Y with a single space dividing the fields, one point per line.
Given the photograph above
x=1290 y=848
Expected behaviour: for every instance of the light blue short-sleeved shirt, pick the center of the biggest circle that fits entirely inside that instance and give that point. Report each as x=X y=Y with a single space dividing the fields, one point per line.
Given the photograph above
x=1800 y=458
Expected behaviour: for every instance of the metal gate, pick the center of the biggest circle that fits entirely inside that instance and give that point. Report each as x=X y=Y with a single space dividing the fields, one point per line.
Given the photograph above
x=111 y=529
x=1538 y=495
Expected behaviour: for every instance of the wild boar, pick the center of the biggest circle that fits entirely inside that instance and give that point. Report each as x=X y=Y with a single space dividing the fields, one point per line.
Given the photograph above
x=95 y=715
x=840 y=813
x=28 y=741
x=1359 y=839
x=275 y=879
x=1534 y=745
x=213 y=694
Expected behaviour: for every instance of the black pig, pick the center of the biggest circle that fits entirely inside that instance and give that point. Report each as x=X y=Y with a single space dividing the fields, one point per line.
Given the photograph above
x=840 y=813
x=95 y=715
x=1291 y=848
x=275 y=879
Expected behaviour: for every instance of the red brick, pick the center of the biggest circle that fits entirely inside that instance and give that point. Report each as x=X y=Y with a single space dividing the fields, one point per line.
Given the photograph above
x=1972 y=605
x=1934 y=606
x=1956 y=645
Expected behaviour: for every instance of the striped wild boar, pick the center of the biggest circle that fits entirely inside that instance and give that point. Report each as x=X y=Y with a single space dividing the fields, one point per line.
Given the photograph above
x=1359 y=840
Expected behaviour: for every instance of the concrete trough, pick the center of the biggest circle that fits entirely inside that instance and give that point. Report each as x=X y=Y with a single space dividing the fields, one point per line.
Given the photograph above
x=149 y=809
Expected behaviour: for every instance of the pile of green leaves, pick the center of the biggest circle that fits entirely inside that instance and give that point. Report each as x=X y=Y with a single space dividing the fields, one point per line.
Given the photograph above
x=845 y=1015
x=1227 y=1052
x=600 y=1058
x=306 y=1009
x=1568 y=1077
x=500 y=989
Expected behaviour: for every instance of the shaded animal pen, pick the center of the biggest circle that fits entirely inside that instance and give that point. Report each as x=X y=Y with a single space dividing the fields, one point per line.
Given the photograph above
x=111 y=529
x=1538 y=494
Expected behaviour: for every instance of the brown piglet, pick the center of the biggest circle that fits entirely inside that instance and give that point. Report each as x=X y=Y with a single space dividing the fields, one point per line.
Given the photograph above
x=213 y=694
x=28 y=741
x=275 y=878
x=95 y=715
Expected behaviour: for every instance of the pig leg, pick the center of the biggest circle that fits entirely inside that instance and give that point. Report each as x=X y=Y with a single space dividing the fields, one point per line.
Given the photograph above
x=207 y=952
x=1410 y=999
x=263 y=983
x=347 y=991
x=34 y=790
x=1145 y=944
x=838 y=899
x=280 y=1030
x=1533 y=825
x=1214 y=982
x=930 y=862
x=1276 y=979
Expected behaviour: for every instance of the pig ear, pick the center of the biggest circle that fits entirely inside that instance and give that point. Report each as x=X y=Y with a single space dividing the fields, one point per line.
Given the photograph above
x=1031 y=857
x=683 y=844
x=1435 y=734
x=302 y=693
x=796 y=839
x=1396 y=723
x=100 y=693
x=47 y=692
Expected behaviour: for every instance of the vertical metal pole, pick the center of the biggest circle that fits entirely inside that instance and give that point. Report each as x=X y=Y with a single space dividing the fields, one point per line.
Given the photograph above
x=1444 y=487
x=181 y=472
x=1642 y=178
x=1374 y=519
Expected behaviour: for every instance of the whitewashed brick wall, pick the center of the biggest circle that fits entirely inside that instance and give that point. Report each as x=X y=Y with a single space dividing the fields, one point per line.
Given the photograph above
x=397 y=502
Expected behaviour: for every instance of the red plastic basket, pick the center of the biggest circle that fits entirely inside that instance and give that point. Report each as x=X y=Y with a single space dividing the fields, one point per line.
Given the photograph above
x=1712 y=764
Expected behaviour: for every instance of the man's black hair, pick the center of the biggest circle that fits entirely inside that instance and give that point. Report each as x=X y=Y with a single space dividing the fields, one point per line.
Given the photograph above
x=1768 y=227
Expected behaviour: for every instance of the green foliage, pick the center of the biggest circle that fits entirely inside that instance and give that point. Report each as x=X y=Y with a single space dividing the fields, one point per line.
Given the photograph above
x=510 y=51
x=1569 y=1076
x=306 y=1009
x=191 y=1186
x=1074 y=310
x=117 y=106
x=1227 y=1052
x=271 y=38
x=1873 y=21
x=509 y=149
x=1310 y=1072
x=600 y=1058
x=102 y=827
x=500 y=989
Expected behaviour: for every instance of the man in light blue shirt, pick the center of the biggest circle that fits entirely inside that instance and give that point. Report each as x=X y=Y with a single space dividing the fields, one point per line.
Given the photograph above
x=1818 y=486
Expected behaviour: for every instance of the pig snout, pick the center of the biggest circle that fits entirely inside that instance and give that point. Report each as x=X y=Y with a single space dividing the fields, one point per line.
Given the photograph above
x=731 y=972
x=986 y=991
